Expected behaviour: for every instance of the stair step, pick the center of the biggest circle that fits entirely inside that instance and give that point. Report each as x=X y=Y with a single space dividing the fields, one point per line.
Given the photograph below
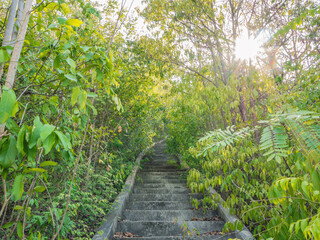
x=211 y=237
x=162 y=185
x=160 y=190
x=160 y=205
x=168 y=215
x=164 y=197
x=169 y=170
x=152 y=228
x=160 y=180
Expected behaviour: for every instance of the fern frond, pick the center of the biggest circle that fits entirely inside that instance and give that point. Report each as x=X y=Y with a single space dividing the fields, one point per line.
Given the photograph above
x=274 y=140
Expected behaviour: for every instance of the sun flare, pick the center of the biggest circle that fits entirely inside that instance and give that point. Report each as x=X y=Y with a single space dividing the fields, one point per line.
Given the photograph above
x=247 y=47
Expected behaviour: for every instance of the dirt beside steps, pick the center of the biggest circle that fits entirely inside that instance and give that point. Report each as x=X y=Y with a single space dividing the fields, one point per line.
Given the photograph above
x=160 y=208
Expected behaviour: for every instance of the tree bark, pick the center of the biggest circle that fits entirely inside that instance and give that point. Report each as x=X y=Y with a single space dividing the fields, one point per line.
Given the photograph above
x=17 y=22
x=18 y=45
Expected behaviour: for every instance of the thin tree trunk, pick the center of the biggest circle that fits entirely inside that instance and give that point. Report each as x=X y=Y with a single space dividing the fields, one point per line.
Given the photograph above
x=242 y=108
x=18 y=45
x=10 y=23
x=18 y=22
x=9 y=29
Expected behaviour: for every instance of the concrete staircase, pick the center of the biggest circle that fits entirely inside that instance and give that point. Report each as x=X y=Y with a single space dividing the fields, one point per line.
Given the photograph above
x=160 y=208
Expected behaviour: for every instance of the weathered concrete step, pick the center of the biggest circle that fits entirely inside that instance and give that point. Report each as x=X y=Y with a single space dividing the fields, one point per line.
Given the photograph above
x=164 y=197
x=148 y=229
x=160 y=190
x=159 y=205
x=166 y=177
x=162 y=170
x=160 y=180
x=149 y=173
x=211 y=237
x=162 y=185
x=151 y=165
x=167 y=215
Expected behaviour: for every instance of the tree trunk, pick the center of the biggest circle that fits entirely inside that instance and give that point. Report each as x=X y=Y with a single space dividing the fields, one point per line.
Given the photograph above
x=18 y=22
x=18 y=45
x=9 y=29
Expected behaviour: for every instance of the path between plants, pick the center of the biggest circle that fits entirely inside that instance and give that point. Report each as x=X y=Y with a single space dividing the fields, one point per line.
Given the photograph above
x=160 y=208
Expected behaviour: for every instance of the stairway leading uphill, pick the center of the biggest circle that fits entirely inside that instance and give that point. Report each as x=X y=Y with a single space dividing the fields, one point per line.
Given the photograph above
x=160 y=208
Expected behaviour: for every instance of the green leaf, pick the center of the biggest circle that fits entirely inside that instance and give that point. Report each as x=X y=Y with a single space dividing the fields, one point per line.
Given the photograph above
x=65 y=8
x=74 y=22
x=71 y=63
x=82 y=100
x=20 y=140
x=19 y=230
x=50 y=141
x=8 y=152
x=40 y=170
x=39 y=189
x=8 y=225
x=64 y=140
x=18 y=207
x=4 y=56
x=48 y=163
x=56 y=62
x=17 y=188
x=8 y=105
x=75 y=95
x=71 y=77
x=91 y=94
x=315 y=177
x=46 y=130
x=37 y=126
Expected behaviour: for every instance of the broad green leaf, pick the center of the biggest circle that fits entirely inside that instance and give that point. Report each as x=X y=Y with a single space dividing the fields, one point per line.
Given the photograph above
x=91 y=94
x=54 y=100
x=65 y=8
x=315 y=177
x=8 y=152
x=18 y=207
x=71 y=63
x=37 y=126
x=48 y=163
x=82 y=100
x=8 y=225
x=40 y=188
x=74 y=22
x=40 y=170
x=75 y=95
x=19 y=230
x=71 y=77
x=46 y=130
x=4 y=56
x=56 y=62
x=64 y=140
x=17 y=188
x=50 y=141
x=62 y=20
x=20 y=140
x=8 y=105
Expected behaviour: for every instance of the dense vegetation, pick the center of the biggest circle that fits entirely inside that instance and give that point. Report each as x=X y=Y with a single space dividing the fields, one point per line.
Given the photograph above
x=83 y=92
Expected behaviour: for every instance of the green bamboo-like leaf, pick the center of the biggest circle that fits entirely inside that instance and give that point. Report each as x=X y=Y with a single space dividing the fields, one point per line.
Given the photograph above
x=315 y=177
x=19 y=230
x=17 y=188
x=21 y=140
x=48 y=163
